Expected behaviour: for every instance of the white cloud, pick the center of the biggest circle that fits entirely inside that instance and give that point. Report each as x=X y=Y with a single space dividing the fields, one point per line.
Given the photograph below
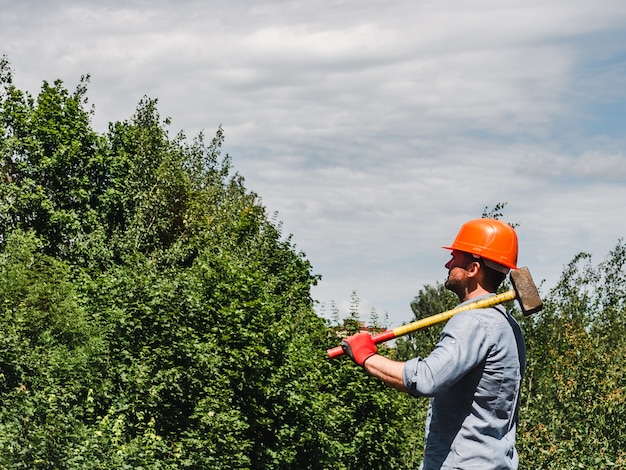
x=374 y=128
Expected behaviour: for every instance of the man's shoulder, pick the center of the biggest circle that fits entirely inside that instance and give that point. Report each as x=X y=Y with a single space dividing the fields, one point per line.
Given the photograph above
x=479 y=317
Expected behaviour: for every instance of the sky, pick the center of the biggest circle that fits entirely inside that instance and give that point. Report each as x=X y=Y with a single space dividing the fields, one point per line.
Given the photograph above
x=372 y=130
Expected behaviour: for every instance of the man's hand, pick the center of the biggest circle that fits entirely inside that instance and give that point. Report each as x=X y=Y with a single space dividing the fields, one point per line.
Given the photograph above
x=359 y=347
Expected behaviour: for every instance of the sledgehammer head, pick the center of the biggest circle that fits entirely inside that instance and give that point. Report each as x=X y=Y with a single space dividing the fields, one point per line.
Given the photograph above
x=526 y=291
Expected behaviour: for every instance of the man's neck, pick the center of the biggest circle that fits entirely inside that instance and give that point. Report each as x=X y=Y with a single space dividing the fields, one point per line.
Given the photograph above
x=477 y=292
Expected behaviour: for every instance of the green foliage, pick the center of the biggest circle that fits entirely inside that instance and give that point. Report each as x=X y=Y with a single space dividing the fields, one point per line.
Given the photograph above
x=153 y=315
x=574 y=404
x=495 y=212
x=48 y=348
x=183 y=284
x=374 y=426
x=52 y=171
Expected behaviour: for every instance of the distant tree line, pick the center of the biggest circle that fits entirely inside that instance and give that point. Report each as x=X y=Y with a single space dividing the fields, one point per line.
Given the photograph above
x=154 y=316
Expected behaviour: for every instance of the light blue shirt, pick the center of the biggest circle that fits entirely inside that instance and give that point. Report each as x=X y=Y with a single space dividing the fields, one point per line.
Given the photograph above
x=474 y=377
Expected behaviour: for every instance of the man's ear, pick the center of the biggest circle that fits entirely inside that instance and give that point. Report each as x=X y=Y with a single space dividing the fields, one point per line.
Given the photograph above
x=473 y=269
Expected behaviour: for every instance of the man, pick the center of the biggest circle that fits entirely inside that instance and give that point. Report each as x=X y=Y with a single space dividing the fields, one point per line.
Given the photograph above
x=474 y=374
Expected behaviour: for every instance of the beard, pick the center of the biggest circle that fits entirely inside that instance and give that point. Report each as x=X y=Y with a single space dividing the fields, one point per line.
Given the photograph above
x=456 y=284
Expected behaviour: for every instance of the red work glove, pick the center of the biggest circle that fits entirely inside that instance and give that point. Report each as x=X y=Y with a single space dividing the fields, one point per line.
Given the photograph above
x=359 y=347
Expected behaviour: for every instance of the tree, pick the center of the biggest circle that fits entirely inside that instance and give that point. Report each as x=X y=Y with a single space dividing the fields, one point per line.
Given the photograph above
x=54 y=361
x=372 y=425
x=573 y=403
x=190 y=290
x=155 y=316
x=52 y=170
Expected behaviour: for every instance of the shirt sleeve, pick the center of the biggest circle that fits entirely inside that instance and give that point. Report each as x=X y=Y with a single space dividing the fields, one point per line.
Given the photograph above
x=463 y=345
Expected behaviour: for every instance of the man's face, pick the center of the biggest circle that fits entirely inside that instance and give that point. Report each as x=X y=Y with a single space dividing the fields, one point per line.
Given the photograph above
x=457 y=273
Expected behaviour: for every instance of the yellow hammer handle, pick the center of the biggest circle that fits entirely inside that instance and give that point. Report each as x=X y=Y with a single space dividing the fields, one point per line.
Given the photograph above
x=443 y=316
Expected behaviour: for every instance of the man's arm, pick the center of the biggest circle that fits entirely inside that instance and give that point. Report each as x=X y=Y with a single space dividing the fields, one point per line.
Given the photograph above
x=387 y=370
x=363 y=351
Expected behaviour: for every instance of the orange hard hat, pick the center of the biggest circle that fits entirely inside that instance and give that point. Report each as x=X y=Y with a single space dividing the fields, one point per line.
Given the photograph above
x=490 y=239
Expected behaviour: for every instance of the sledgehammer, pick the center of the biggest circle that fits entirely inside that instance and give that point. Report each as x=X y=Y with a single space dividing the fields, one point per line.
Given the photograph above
x=524 y=290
